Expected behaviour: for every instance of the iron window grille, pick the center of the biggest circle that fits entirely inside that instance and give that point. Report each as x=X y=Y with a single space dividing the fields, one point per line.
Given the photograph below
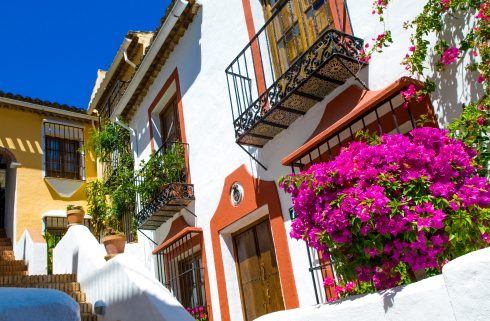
x=63 y=157
x=183 y=271
x=113 y=98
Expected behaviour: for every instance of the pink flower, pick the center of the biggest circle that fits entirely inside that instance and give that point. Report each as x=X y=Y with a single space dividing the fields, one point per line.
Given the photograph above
x=328 y=281
x=450 y=55
x=486 y=238
x=445 y=4
x=350 y=286
x=412 y=48
x=410 y=93
x=201 y=315
x=481 y=79
x=480 y=120
x=201 y=308
x=339 y=289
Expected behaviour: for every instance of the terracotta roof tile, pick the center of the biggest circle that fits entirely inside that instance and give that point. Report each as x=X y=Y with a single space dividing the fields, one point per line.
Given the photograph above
x=42 y=102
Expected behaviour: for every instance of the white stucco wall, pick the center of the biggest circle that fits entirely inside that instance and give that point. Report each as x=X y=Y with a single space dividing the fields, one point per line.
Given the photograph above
x=127 y=289
x=216 y=36
x=459 y=294
x=33 y=253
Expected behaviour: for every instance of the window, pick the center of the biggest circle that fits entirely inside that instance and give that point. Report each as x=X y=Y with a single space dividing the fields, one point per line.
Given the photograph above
x=169 y=123
x=62 y=151
x=296 y=26
x=184 y=271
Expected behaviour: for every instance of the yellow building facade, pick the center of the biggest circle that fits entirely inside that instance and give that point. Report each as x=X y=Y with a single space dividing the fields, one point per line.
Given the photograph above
x=44 y=164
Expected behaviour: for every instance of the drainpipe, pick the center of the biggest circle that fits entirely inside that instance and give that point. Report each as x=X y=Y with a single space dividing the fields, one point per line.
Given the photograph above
x=132 y=131
x=126 y=59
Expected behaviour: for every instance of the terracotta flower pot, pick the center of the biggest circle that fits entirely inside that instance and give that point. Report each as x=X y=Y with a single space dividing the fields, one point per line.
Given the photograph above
x=114 y=244
x=75 y=217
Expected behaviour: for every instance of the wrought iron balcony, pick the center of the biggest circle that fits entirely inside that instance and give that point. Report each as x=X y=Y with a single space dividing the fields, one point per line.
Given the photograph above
x=162 y=186
x=275 y=78
x=113 y=98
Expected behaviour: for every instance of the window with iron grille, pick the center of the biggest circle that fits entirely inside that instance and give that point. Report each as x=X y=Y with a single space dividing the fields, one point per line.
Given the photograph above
x=183 y=270
x=62 y=145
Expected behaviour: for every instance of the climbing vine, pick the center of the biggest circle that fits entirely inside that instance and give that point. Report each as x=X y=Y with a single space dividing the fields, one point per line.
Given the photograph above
x=471 y=18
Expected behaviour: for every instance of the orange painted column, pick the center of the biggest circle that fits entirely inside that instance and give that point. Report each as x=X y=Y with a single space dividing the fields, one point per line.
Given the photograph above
x=254 y=47
x=257 y=193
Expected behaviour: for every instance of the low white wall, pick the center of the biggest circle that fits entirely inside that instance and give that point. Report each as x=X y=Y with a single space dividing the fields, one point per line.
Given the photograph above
x=33 y=253
x=129 y=291
x=461 y=293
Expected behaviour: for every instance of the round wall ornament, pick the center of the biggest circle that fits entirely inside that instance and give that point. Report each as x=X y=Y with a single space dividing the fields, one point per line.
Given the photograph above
x=236 y=193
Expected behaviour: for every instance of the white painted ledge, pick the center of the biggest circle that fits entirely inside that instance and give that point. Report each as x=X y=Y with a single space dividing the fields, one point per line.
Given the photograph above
x=32 y=249
x=37 y=304
x=461 y=293
x=128 y=290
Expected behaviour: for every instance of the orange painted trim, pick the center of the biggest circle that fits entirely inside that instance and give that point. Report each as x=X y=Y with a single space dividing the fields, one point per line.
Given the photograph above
x=340 y=16
x=176 y=237
x=174 y=76
x=256 y=56
x=365 y=104
x=256 y=194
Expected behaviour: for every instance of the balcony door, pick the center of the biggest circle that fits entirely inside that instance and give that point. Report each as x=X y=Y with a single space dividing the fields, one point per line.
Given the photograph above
x=295 y=26
x=169 y=123
x=258 y=274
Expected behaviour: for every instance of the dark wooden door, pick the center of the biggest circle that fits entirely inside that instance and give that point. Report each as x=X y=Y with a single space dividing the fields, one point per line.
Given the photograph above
x=258 y=273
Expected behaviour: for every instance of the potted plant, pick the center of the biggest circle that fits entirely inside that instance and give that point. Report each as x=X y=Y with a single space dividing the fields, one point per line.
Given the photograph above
x=114 y=242
x=75 y=215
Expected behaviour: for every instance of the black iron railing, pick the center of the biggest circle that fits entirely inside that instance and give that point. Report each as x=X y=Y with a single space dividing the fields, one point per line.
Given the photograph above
x=183 y=271
x=162 y=185
x=113 y=98
x=274 y=72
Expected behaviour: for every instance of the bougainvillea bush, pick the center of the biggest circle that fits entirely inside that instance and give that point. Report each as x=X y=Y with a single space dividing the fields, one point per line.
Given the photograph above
x=403 y=203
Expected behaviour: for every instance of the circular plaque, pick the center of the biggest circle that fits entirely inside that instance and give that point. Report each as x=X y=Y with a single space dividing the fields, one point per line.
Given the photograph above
x=236 y=193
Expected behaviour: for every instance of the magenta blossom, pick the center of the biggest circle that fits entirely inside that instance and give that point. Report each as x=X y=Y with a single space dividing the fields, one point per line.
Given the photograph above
x=449 y=56
x=377 y=207
x=350 y=286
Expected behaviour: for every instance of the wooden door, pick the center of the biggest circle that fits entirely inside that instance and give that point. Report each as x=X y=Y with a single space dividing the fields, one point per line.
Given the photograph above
x=294 y=28
x=258 y=273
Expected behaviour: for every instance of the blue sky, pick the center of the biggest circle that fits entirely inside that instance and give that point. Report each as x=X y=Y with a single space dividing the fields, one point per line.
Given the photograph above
x=52 y=49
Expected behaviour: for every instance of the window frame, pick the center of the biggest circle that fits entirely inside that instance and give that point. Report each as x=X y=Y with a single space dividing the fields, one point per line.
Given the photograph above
x=65 y=135
x=171 y=108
